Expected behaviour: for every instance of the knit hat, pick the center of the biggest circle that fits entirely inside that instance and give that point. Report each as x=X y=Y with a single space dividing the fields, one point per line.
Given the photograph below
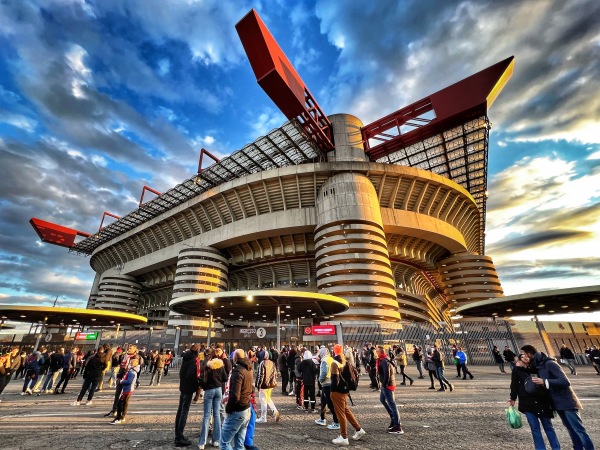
x=338 y=349
x=307 y=355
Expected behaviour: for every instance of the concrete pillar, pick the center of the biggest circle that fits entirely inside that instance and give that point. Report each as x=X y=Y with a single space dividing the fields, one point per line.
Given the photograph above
x=199 y=270
x=351 y=250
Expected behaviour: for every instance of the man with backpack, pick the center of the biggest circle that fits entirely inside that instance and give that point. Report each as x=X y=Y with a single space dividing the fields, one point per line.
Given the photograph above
x=344 y=378
x=387 y=380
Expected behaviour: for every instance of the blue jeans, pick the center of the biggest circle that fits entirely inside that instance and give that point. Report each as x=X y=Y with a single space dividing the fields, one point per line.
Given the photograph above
x=538 y=440
x=572 y=422
x=212 y=405
x=441 y=378
x=185 y=400
x=234 y=430
x=386 y=397
x=420 y=367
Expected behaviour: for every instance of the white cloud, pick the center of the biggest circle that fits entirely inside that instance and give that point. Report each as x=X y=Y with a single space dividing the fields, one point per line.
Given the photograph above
x=19 y=121
x=81 y=74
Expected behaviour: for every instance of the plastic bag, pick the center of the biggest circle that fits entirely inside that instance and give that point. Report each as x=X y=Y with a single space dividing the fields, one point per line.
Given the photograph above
x=513 y=417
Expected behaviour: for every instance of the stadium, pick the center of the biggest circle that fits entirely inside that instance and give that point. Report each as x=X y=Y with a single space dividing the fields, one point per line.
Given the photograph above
x=328 y=217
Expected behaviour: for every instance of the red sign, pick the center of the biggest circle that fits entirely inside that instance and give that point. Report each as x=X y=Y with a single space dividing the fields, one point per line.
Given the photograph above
x=322 y=330
x=308 y=330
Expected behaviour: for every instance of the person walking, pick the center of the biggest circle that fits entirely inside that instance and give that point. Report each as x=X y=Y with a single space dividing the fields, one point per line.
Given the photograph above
x=462 y=360
x=11 y=366
x=20 y=372
x=33 y=366
x=566 y=403
x=339 y=397
x=402 y=362
x=125 y=364
x=54 y=370
x=417 y=357
x=189 y=374
x=283 y=370
x=265 y=382
x=238 y=403
x=107 y=359
x=69 y=363
x=159 y=367
x=325 y=380
x=127 y=384
x=509 y=357
x=536 y=406
x=92 y=374
x=566 y=355
x=498 y=359
x=430 y=366
x=438 y=360
x=387 y=381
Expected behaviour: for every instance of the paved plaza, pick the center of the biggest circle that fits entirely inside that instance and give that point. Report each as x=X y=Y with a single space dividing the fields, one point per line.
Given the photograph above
x=471 y=417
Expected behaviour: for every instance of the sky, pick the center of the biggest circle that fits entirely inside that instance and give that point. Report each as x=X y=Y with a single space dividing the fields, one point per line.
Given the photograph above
x=98 y=99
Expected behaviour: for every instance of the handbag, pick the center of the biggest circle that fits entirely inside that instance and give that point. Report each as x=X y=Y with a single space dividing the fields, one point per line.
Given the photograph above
x=513 y=417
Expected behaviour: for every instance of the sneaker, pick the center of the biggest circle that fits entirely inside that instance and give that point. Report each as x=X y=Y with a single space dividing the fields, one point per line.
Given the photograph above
x=301 y=408
x=432 y=387
x=312 y=411
x=360 y=433
x=277 y=416
x=451 y=388
x=158 y=384
x=215 y=444
x=200 y=447
x=261 y=420
x=403 y=383
x=411 y=382
x=396 y=430
x=291 y=393
x=340 y=441
x=75 y=403
x=333 y=426
x=89 y=403
x=115 y=422
x=474 y=377
x=22 y=393
x=110 y=414
x=321 y=422
x=391 y=425
x=28 y=391
x=441 y=390
x=184 y=442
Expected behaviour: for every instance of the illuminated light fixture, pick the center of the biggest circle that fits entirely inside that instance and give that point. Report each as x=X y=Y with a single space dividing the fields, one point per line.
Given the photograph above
x=531 y=310
x=564 y=306
x=255 y=312
x=309 y=310
x=509 y=310
x=287 y=306
x=112 y=321
x=550 y=312
x=249 y=298
x=594 y=301
x=74 y=320
x=541 y=306
x=22 y=316
x=93 y=320
x=222 y=306
x=231 y=314
x=211 y=300
x=586 y=307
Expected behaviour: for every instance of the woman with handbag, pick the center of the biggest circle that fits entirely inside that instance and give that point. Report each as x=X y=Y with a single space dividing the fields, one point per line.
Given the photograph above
x=534 y=403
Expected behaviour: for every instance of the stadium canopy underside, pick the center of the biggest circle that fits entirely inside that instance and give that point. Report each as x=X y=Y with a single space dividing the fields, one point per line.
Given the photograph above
x=68 y=316
x=560 y=301
x=260 y=305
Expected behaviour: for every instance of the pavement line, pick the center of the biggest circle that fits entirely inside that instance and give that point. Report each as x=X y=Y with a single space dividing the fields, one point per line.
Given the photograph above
x=88 y=413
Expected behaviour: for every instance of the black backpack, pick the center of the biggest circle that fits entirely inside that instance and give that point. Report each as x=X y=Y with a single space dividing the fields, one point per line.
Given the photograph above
x=351 y=376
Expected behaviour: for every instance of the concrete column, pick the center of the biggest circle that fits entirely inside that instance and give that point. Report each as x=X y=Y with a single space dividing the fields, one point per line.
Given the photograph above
x=118 y=293
x=199 y=270
x=351 y=250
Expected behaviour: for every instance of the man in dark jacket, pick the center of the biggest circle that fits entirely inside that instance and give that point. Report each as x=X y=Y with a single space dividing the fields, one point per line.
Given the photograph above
x=563 y=397
x=159 y=367
x=92 y=374
x=291 y=364
x=238 y=403
x=371 y=364
x=188 y=385
x=569 y=358
x=387 y=380
x=283 y=369
x=438 y=360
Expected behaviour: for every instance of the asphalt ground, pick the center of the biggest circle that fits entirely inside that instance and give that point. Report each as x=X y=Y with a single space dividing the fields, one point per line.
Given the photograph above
x=471 y=417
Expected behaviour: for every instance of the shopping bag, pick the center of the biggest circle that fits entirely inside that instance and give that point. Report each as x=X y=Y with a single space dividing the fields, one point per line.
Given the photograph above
x=513 y=417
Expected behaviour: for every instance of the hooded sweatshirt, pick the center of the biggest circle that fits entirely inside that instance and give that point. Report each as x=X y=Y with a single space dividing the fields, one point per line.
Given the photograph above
x=325 y=368
x=308 y=369
x=188 y=373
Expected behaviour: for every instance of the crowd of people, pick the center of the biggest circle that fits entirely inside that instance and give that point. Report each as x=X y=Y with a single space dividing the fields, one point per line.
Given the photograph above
x=320 y=380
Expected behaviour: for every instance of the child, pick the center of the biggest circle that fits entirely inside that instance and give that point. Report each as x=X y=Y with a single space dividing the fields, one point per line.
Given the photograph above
x=128 y=384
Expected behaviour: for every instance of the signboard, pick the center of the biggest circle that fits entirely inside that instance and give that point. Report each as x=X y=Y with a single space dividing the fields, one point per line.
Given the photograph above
x=323 y=330
x=307 y=330
x=86 y=336
x=254 y=332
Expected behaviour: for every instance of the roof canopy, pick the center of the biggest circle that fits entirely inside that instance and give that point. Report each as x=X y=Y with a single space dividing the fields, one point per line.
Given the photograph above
x=260 y=305
x=68 y=316
x=560 y=301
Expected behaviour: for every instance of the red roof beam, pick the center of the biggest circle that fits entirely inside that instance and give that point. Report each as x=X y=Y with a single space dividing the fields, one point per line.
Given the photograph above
x=210 y=155
x=281 y=82
x=104 y=216
x=467 y=99
x=56 y=234
x=144 y=189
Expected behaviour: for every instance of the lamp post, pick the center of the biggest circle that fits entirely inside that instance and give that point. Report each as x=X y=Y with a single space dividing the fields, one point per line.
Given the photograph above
x=278 y=328
x=210 y=320
x=149 y=338
x=39 y=338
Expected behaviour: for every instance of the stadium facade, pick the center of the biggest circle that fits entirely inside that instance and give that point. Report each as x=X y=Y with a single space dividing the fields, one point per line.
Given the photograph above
x=389 y=216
